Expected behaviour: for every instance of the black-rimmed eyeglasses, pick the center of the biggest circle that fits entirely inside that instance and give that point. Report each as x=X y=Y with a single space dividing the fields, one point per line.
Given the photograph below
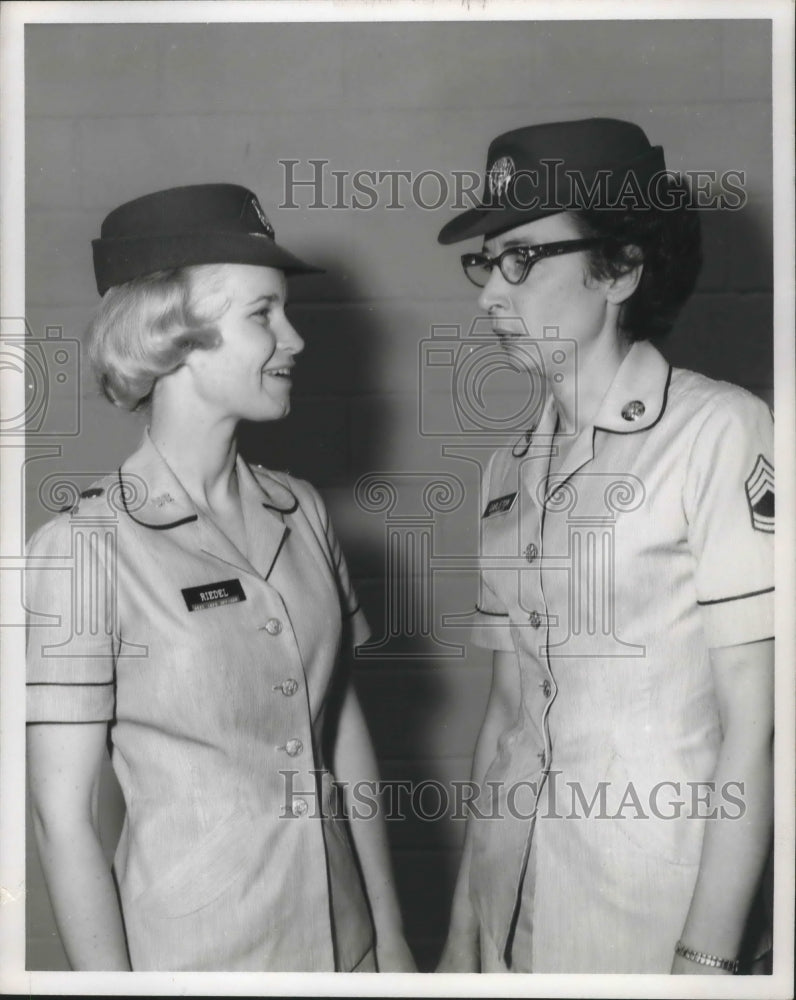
x=515 y=263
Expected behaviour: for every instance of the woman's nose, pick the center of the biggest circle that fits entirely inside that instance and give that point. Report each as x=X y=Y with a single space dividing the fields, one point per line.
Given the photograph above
x=489 y=296
x=290 y=339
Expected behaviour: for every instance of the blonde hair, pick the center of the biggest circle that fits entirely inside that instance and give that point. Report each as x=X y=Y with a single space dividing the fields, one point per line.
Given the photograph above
x=144 y=329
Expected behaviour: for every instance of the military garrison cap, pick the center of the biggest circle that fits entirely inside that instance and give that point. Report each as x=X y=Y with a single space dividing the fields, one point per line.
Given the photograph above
x=182 y=226
x=544 y=169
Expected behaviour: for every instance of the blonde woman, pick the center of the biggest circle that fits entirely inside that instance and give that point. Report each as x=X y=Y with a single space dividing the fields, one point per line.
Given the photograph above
x=216 y=657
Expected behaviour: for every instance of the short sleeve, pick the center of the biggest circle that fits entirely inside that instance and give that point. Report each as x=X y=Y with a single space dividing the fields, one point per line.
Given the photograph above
x=353 y=615
x=355 y=624
x=70 y=647
x=729 y=504
x=490 y=625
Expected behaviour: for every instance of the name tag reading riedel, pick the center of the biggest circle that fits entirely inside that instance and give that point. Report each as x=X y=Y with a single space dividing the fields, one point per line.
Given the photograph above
x=212 y=595
x=500 y=505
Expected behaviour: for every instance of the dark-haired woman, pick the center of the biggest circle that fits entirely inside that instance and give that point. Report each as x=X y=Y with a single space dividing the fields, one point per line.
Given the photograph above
x=201 y=611
x=624 y=760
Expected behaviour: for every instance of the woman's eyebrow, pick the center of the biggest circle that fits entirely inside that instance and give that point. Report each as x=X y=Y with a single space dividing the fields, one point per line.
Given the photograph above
x=270 y=298
x=517 y=241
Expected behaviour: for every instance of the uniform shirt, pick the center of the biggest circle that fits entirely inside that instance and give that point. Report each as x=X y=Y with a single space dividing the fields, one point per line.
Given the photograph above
x=214 y=669
x=612 y=580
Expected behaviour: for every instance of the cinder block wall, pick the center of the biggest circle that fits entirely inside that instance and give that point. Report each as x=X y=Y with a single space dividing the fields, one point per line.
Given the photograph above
x=116 y=111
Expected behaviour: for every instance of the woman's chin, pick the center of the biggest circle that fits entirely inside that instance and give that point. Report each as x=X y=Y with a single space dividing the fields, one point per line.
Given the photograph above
x=276 y=412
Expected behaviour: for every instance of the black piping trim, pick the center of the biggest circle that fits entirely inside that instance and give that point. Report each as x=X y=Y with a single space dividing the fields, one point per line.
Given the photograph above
x=492 y=614
x=69 y=684
x=657 y=420
x=153 y=527
x=282 y=541
x=68 y=722
x=737 y=597
x=524 y=444
x=283 y=510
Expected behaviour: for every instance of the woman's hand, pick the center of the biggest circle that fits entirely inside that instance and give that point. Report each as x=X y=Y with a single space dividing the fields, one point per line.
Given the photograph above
x=394 y=956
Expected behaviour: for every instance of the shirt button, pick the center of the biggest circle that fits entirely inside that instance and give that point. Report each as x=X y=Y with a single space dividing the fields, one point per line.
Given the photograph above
x=547 y=689
x=535 y=619
x=531 y=552
x=293 y=748
x=288 y=687
x=273 y=626
x=299 y=807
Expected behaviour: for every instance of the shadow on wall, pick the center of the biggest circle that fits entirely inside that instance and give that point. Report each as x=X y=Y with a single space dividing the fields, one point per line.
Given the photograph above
x=729 y=336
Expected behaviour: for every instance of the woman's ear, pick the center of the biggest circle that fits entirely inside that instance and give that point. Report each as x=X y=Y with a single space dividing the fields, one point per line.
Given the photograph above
x=620 y=289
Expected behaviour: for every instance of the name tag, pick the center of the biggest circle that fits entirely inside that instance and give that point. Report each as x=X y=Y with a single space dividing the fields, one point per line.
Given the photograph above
x=212 y=595
x=500 y=505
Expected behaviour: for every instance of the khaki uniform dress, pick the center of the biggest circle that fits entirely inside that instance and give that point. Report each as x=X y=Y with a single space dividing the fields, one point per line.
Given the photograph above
x=612 y=580
x=214 y=669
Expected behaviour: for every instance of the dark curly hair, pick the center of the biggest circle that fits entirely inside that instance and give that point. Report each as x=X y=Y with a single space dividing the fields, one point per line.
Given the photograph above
x=666 y=240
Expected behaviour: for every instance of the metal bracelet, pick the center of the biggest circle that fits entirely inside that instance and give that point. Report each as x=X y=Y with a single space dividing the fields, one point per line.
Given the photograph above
x=702 y=958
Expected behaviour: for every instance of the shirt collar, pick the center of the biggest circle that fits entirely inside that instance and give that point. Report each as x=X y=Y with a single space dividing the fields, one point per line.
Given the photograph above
x=636 y=398
x=153 y=496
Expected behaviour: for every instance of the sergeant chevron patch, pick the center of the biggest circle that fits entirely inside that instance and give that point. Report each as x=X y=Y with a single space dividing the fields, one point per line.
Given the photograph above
x=760 y=495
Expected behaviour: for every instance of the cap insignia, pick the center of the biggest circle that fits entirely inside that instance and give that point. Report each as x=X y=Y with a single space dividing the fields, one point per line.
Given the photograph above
x=262 y=217
x=500 y=175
